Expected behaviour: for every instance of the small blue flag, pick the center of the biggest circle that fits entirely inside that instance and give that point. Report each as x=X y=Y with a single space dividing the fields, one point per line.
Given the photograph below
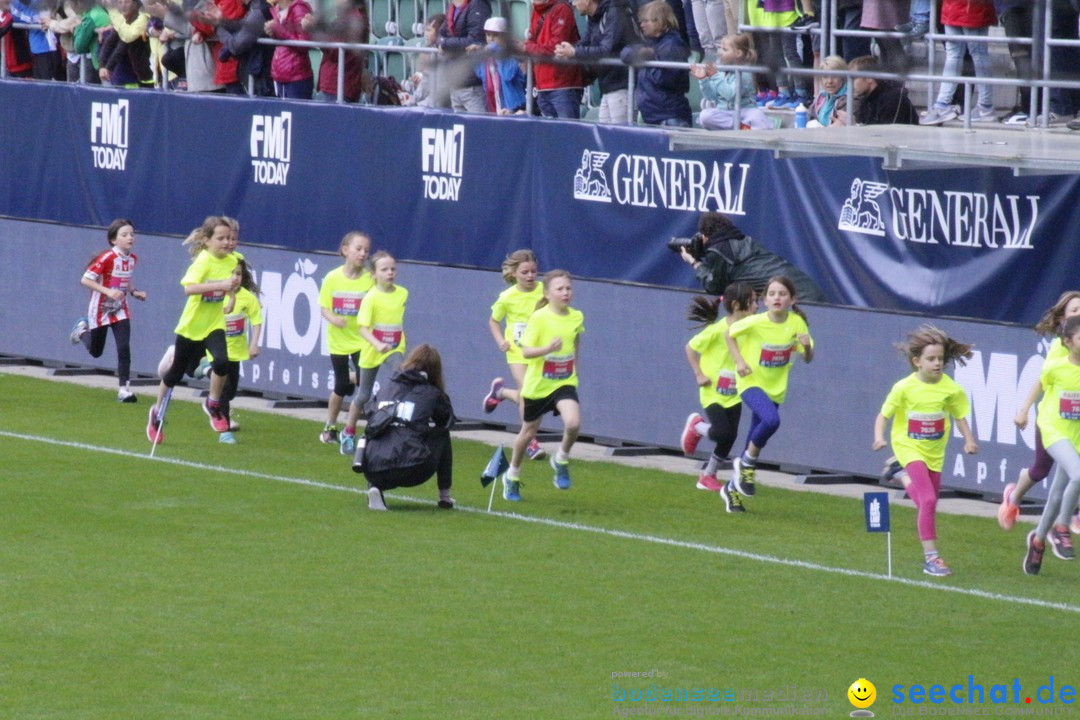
x=876 y=507
x=495 y=467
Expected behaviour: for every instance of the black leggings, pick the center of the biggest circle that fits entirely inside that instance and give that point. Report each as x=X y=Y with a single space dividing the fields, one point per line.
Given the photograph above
x=188 y=353
x=94 y=340
x=723 y=427
x=440 y=464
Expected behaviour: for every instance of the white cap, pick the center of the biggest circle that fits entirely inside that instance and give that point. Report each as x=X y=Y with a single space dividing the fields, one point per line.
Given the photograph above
x=495 y=25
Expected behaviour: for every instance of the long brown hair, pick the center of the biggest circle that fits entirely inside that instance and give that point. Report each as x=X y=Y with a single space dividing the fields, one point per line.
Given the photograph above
x=925 y=335
x=197 y=238
x=513 y=260
x=705 y=310
x=1050 y=322
x=786 y=282
x=427 y=360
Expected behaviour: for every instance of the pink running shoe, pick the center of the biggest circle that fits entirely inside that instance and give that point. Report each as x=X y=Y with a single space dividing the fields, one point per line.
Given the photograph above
x=535 y=451
x=1007 y=511
x=690 y=436
x=492 y=399
x=709 y=482
x=218 y=421
x=154 y=433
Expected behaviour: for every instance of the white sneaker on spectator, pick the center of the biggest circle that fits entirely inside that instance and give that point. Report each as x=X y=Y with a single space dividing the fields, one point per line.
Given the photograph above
x=983 y=114
x=1038 y=121
x=1016 y=116
x=937 y=115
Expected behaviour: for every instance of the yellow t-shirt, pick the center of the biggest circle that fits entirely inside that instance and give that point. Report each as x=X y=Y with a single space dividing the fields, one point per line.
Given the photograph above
x=922 y=422
x=717 y=365
x=516 y=307
x=767 y=346
x=343 y=296
x=1055 y=353
x=383 y=313
x=246 y=311
x=205 y=313
x=545 y=374
x=1059 y=413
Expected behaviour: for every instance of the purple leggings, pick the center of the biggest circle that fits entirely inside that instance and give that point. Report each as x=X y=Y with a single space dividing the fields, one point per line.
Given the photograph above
x=1040 y=469
x=764 y=418
x=923 y=490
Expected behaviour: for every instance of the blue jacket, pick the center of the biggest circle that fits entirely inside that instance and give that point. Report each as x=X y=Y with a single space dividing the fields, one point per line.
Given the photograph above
x=511 y=81
x=607 y=32
x=661 y=93
x=40 y=40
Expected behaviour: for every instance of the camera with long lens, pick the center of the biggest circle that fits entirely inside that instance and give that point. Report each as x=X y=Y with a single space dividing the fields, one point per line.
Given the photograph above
x=694 y=245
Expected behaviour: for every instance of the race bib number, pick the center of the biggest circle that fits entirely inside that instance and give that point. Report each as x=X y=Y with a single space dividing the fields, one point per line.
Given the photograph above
x=1069 y=406
x=347 y=304
x=235 y=325
x=926 y=426
x=389 y=334
x=517 y=332
x=558 y=367
x=725 y=384
x=213 y=297
x=775 y=356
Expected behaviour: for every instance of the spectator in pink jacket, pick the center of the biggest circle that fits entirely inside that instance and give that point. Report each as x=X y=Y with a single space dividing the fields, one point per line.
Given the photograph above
x=291 y=67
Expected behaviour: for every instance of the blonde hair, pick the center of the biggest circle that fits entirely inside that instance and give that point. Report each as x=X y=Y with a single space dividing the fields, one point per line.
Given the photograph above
x=551 y=276
x=349 y=236
x=662 y=12
x=925 y=335
x=743 y=45
x=513 y=261
x=197 y=238
x=834 y=62
x=374 y=259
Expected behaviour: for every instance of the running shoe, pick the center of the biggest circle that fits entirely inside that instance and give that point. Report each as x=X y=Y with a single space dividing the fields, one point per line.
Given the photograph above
x=938 y=115
x=218 y=421
x=1007 y=510
x=535 y=451
x=690 y=437
x=891 y=471
x=709 y=482
x=1061 y=543
x=81 y=325
x=732 y=499
x=492 y=399
x=227 y=437
x=203 y=370
x=780 y=101
x=445 y=501
x=765 y=97
x=234 y=424
x=1016 y=116
x=329 y=435
x=562 y=474
x=375 y=499
x=936 y=567
x=511 y=489
x=743 y=477
x=983 y=114
x=126 y=396
x=154 y=433
x=347 y=443
x=1034 y=556
x=166 y=361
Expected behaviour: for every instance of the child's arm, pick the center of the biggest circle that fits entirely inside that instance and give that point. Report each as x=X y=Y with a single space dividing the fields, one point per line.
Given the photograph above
x=879 y=432
x=808 y=347
x=114 y=293
x=335 y=320
x=253 y=340
x=1021 y=418
x=733 y=347
x=228 y=286
x=694 y=359
x=497 y=333
x=365 y=332
x=970 y=446
x=537 y=351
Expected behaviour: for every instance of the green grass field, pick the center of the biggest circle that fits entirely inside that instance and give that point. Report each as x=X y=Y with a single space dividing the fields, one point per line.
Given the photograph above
x=251 y=581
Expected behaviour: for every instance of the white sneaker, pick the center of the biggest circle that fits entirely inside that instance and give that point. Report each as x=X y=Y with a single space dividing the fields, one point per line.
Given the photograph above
x=375 y=499
x=126 y=396
x=1038 y=121
x=166 y=361
x=938 y=115
x=983 y=114
x=1016 y=116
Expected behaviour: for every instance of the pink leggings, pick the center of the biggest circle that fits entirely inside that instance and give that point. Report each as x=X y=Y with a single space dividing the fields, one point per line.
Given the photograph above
x=923 y=490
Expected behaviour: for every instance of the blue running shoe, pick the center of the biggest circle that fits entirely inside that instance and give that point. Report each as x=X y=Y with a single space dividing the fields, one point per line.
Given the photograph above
x=348 y=444
x=780 y=101
x=227 y=437
x=937 y=568
x=562 y=474
x=511 y=489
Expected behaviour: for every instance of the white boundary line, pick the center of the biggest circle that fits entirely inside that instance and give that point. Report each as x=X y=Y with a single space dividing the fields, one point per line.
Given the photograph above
x=623 y=534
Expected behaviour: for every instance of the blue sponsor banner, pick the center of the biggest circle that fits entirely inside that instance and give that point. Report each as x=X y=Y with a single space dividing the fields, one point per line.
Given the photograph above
x=600 y=201
x=876 y=511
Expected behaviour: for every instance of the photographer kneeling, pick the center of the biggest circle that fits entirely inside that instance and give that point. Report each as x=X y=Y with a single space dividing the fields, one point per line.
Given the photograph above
x=407 y=439
x=721 y=254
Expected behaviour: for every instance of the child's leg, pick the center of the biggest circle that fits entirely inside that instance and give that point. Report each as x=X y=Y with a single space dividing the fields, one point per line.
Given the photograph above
x=517 y=370
x=122 y=337
x=923 y=491
x=789 y=42
x=365 y=386
x=94 y=340
x=219 y=367
x=1039 y=470
x=232 y=384
x=1063 y=490
x=570 y=412
x=765 y=421
x=984 y=68
x=525 y=435
x=723 y=430
x=343 y=386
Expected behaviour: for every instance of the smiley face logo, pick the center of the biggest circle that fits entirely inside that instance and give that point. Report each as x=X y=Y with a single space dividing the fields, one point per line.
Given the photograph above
x=862 y=693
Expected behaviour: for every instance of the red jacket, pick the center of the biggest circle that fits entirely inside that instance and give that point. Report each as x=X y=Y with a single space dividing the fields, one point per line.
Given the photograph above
x=290 y=64
x=968 y=13
x=552 y=23
x=16 y=46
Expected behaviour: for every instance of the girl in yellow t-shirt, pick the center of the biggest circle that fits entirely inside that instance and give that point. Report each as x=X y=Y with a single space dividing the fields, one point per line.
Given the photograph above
x=515 y=305
x=380 y=324
x=208 y=284
x=714 y=370
x=1066 y=307
x=1059 y=421
x=550 y=343
x=340 y=296
x=921 y=405
x=762 y=345
x=243 y=328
